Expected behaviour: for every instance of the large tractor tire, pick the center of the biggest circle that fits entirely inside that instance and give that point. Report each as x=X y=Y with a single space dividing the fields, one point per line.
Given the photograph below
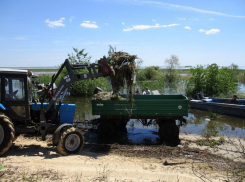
x=71 y=141
x=169 y=132
x=7 y=134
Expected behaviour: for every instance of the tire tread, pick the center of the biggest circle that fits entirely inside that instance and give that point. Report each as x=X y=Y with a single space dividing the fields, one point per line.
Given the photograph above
x=65 y=132
x=10 y=125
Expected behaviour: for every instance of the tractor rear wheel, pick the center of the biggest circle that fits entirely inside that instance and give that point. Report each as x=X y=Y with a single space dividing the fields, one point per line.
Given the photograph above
x=71 y=141
x=7 y=134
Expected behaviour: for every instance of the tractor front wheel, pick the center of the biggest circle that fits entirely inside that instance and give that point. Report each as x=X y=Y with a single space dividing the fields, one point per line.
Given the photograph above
x=71 y=141
x=7 y=133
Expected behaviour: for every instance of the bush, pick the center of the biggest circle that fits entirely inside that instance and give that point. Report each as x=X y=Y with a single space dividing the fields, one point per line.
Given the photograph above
x=45 y=79
x=86 y=87
x=153 y=85
x=149 y=73
x=213 y=81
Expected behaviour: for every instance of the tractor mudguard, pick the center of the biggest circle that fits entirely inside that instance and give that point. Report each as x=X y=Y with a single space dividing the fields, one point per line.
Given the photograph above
x=56 y=135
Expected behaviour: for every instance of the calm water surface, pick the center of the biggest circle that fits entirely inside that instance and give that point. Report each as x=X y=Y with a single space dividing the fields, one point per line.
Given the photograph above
x=197 y=122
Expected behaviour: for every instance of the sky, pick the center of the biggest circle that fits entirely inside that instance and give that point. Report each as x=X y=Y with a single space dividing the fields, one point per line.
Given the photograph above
x=41 y=33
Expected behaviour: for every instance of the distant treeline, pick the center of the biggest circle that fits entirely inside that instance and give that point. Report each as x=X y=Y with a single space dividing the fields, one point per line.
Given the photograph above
x=212 y=80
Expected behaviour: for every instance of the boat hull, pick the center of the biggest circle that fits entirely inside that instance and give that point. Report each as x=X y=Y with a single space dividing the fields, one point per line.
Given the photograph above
x=221 y=106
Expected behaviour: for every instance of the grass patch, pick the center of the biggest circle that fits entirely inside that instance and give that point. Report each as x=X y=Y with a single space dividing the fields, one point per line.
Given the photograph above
x=210 y=142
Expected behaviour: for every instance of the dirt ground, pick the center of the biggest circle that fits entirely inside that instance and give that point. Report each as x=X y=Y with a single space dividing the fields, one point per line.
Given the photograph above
x=31 y=159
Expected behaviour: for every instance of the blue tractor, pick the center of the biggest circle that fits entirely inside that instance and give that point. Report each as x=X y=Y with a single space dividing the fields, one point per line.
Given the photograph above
x=19 y=114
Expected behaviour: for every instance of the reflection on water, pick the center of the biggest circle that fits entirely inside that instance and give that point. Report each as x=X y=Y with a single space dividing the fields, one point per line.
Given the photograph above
x=136 y=134
x=201 y=121
x=139 y=134
x=197 y=123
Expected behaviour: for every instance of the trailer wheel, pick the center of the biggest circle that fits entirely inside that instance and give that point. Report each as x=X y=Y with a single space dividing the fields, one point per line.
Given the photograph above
x=122 y=126
x=71 y=141
x=7 y=133
x=169 y=132
x=106 y=130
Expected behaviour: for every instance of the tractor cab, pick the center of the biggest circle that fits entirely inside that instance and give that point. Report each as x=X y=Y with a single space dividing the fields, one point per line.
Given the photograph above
x=14 y=97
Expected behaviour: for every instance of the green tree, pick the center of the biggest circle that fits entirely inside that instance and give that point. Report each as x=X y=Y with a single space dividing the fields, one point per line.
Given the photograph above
x=80 y=57
x=213 y=81
x=149 y=73
x=171 y=75
x=235 y=71
x=196 y=82
x=227 y=84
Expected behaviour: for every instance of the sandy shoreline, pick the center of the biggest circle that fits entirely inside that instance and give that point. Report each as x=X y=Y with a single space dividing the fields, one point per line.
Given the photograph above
x=30 y=159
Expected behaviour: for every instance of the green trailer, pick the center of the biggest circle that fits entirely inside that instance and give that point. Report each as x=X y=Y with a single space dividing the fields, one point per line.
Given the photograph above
x=164 y=109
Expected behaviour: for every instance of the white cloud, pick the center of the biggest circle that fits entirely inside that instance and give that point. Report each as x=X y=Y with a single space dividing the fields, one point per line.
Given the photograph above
x=58 y=23
x=142 y=27
x=182 y=18
x=123 y=23
x=211 y=31
x=186 y=8
x=187 y=27
x=211 y=19
x=88 y=24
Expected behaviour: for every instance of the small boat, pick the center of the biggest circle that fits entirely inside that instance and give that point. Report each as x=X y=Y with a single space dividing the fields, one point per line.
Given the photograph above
x=220 y=105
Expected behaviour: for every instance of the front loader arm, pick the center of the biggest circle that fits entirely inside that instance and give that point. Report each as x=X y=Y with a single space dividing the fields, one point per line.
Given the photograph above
x=103 y=71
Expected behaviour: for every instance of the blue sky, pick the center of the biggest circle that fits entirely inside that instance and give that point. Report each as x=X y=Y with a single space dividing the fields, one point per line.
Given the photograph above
x=42 y=32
